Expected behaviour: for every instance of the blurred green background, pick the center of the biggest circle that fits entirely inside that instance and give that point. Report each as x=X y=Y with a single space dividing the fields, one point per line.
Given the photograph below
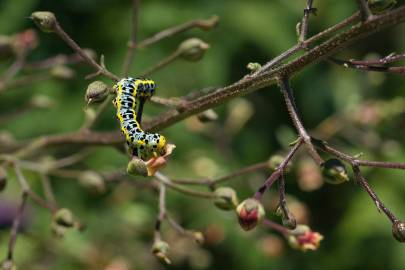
x=368 y=110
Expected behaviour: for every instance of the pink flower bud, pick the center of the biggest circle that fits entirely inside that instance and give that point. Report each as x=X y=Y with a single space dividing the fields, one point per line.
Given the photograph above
x=250 y=213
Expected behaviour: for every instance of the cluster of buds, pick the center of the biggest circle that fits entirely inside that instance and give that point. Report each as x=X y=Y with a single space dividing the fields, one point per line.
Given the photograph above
x=303 y=238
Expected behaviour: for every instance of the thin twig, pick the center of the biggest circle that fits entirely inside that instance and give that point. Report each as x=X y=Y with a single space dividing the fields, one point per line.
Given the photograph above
x=163 y=63
x=132 y=42
x=277 y=173
x=221 y=179
x=292 y=109
x=192 y=192
x=379 y=204
x=162 y=211
x=350 y=64
x=72 y=44
x=200 y=23
x=275 y=226
x=16 y=226
x=304 y=23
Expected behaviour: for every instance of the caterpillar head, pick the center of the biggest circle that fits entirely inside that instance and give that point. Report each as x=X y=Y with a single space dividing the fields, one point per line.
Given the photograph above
x=156 y=144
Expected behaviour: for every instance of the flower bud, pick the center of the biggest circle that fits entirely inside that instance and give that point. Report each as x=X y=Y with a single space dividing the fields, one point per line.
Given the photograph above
x=64 y=217
x=192 y=49
x=137 y=166
x=161 y=251
x=334 y=171
x=92 y=181
x=253 y=66
x=198 y=237
x=226 y=198
x=62 y=72
x=379 y=6
x=303 y=238
x=398 y=231
x=3 y=178
x=96 y=91
x=8 y=265
x=45 y=20
x=207 y=116
x=250 y=212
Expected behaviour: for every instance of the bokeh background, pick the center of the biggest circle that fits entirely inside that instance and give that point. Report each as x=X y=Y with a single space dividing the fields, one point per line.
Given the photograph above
x=358 y=112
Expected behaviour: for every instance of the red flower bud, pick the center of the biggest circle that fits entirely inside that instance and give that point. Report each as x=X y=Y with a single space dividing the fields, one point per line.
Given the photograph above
x=250 y=213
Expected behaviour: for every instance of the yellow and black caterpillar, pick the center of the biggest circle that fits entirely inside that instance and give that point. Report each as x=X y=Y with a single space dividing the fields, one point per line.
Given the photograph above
x=131 y=95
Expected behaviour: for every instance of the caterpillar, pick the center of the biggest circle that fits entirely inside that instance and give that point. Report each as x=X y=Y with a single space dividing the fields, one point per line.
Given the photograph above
x=129 y=91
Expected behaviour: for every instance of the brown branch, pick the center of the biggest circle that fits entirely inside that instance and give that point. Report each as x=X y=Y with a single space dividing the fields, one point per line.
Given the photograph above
x=364 y=10
x=245 y=85
x=304 y=23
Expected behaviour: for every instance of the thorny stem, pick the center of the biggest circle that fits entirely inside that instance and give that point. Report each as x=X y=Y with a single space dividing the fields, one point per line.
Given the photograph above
x=367 y=67
x=304 y=23
x=16 y=226
x=242 y=87
x=200 y=23
x=379 y=204
x=72 y=44
x=277 y=173
x=132 y=42
x=281 y=192
x=355 y=163
x=292 y=110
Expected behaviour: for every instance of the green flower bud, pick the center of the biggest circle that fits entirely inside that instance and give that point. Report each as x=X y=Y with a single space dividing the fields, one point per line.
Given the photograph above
x=161 y=251
x=253 y=66
x=3 y=178
x=62 y=72
x=137 y=166
x=96 y=91
x=207 y=116
x=92 y=181
x=192 y=49
x=334 y=171
x=64 y=217
x=226 y=198
x=379 y=6
x=250 y=213
x=398 y=231
x=45 y=20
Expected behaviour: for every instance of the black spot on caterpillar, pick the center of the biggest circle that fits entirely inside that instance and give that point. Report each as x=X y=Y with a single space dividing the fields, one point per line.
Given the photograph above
x=129 y=91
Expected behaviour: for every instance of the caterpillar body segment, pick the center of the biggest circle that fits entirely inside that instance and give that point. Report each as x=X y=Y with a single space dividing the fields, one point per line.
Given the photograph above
x=131 y=94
